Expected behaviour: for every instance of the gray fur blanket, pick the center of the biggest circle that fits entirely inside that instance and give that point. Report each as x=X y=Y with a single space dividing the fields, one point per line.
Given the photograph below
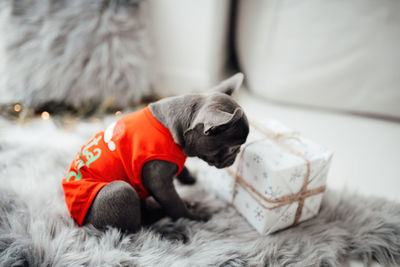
x=83 y=54
x=36 y=230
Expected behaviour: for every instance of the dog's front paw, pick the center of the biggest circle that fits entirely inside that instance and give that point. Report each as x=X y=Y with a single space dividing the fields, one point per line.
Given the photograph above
x=174 y=236
x=201 y=217
x=197 y=212
x=173 y=233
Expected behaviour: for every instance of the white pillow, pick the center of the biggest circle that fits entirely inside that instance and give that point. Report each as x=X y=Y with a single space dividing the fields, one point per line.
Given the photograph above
x=190 y=40
x=343 y=55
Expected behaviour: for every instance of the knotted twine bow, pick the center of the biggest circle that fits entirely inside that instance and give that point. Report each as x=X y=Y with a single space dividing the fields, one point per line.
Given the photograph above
x=284 y=200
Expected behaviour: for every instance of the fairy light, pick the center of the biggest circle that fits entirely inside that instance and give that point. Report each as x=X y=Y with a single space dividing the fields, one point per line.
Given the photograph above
x=118 y=113
x=17 y=107
x=45 y=115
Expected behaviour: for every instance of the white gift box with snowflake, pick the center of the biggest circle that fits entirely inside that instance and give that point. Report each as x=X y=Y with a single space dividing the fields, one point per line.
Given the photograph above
x=277 y=180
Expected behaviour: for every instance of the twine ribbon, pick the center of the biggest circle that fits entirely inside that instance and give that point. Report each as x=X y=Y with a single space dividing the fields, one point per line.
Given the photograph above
x=286 y=199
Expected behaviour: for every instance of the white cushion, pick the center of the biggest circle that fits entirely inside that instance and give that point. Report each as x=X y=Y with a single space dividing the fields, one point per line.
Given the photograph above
x=343 y=55
x=190 y=43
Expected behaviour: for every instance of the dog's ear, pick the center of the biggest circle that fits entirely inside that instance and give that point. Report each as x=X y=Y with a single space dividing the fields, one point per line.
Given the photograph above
x=215 y=120
x=230 y=85
x=219 y=119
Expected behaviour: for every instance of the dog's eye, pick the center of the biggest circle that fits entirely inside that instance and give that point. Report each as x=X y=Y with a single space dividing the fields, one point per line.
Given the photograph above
x=234 y=149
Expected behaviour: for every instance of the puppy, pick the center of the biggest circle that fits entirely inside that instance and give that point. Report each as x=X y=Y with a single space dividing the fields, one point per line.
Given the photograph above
x=138 y=156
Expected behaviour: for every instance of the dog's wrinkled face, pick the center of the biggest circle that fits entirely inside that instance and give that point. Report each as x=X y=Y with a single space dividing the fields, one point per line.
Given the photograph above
x=219 y=146
x=220 y=127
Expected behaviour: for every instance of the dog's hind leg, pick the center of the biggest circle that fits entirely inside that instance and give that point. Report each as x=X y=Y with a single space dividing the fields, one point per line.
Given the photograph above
x=118 y=205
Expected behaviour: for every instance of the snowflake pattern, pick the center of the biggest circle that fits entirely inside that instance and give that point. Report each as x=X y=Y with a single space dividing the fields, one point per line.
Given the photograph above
x=287 y=217
x=258 y=214
x=297 y=173
x=271 y=192
x=257 y=159
x=247 y=164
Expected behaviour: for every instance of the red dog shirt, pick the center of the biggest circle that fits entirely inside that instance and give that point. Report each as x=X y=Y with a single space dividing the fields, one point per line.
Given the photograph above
x=118 y=153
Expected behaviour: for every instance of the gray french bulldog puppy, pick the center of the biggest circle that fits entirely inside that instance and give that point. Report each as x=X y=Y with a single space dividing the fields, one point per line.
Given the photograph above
x=211 y=126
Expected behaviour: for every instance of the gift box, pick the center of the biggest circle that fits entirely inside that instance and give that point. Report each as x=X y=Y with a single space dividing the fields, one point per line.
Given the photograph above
x=277 y=180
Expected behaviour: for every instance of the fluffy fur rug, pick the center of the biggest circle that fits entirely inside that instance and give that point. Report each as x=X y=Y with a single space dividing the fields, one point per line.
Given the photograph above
x=81 y=53
x=36 y=230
